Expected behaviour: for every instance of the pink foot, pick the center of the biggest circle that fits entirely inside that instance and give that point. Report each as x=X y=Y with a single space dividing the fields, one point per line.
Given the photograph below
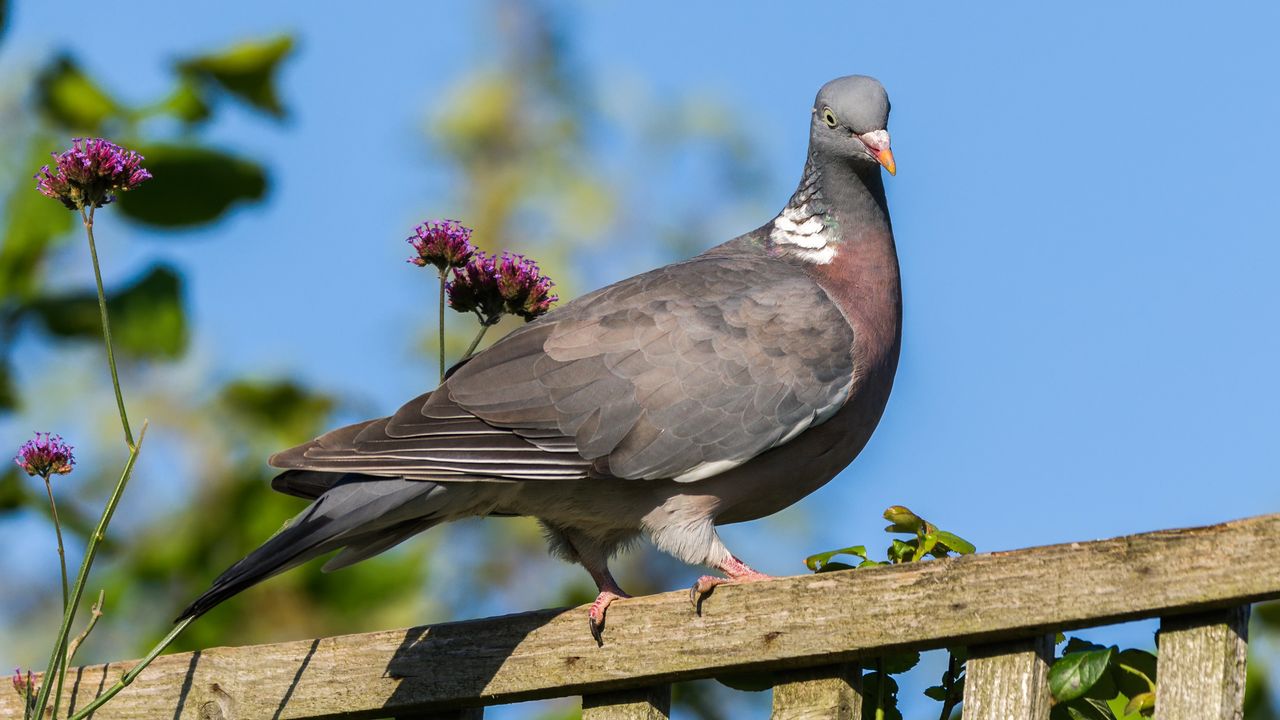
x=737 y=571
x=595 y=614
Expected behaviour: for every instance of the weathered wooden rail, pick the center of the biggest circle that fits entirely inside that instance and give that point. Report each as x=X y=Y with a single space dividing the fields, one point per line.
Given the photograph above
x=810 y=630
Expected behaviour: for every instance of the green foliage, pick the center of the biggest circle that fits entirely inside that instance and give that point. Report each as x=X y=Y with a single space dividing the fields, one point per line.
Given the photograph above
x=1093 y=682
x=148 y=319
x=71 y=99
x=192 y=186
x=32 y=223
x=246 y=70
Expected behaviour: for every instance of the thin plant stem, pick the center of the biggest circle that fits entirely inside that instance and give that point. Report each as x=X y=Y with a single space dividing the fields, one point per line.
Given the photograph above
x=130 y=676
x=94 y=613
x=62 y=564
x=476 y=341
x=57 y=528
x=77 y=590
x=949 y=686
x=442 y=274
x=87 y=218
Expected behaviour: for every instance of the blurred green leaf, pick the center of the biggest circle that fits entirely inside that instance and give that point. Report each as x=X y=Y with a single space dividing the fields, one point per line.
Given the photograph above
x=900 y=552
x=147 y=317
x=1268 y=613
x=954 y=542
x=32 y=222
x=70 y=98
x=187 y=102
x=281 y=406
x=1074 y=674
x=1076 y=644
x=13 y=495
x=191 y=185
x=818 y=562
x=247 y=70
x=8 y=393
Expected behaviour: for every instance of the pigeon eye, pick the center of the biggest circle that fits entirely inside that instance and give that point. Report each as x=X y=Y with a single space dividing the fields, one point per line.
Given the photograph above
x=829 y=117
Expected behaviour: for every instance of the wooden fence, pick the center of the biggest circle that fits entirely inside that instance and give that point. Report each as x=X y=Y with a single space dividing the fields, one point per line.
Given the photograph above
x=809 y=630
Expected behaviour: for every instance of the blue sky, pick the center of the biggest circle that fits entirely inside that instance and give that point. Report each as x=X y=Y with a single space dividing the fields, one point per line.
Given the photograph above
x=1085 y=210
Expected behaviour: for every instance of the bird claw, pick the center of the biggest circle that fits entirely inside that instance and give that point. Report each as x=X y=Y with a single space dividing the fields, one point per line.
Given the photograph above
x=596 y=614
x=702 y=588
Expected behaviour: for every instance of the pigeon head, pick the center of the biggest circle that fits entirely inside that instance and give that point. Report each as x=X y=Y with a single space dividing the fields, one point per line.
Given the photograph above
x=850 y=117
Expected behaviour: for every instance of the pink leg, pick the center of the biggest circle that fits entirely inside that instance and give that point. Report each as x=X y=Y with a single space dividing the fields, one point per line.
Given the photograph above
x=736 y=570
x=609 y=591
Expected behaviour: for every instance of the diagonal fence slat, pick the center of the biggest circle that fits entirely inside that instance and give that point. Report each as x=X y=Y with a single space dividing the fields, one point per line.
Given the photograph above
x=776 y=625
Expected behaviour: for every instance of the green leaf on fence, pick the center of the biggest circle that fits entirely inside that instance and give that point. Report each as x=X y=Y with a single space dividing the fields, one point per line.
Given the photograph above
x=67 y=95
x=904 y=521
x=1082 y=709
x=147 y=318
x=1074 y=674
x=954 y=542
x=247 y=70
x=192 y=185
x=820 y=561
x=1135 y=672
x=1143 y=704
x=901 y=552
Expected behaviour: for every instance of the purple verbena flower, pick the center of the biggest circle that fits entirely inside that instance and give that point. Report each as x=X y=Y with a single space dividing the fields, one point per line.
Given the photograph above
x=442 y=243
x=45 y=455
x=525 y=290
x=474 y=288
x=20 y=684
x=91 y=173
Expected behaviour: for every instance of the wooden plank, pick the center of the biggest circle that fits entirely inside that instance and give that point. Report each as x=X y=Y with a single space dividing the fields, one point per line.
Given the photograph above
x=1202 y=666
x=1009 y=680
x=647 y=703
x=830 y=692
x=765 y=626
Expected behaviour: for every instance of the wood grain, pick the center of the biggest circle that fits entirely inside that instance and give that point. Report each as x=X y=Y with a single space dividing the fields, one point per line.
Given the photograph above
x=830 y=692
x=1009 y=680
x=1202 y=666
x=776 y=625
x=648 y=703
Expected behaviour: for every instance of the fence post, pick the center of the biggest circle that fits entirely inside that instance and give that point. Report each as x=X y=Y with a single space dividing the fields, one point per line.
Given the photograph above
x=650 y=703
x=1202 y=665
x=1009 y=680
x=831 y=692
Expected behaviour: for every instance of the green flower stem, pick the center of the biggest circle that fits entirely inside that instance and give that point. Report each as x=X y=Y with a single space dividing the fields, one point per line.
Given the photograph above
x=442 y=274
x=87 y=218
x=77 y=591
x=62 y=563
x=94 y=613
x=130 y=676
x=57 y=528
x=484 y=328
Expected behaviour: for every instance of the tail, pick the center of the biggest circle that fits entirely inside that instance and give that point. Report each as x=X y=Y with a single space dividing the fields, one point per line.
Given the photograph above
x=361 y=514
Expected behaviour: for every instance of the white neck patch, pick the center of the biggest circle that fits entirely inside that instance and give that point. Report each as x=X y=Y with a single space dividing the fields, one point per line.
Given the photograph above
x=804 y=234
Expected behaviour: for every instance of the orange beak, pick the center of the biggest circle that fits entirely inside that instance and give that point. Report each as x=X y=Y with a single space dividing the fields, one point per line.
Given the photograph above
x=885 y=157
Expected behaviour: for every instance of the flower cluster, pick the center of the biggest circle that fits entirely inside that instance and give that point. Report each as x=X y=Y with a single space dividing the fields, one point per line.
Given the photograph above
x=490 y=287
x=443 y=243
x=91 y=173
x=525 y=290
x=45 y=455
x=22 y=685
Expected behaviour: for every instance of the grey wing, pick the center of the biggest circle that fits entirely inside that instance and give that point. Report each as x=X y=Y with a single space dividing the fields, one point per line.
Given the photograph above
x=682 y=372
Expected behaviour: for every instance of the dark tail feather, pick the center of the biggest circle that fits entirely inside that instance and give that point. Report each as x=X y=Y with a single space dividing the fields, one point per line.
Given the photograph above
x=357 y=512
